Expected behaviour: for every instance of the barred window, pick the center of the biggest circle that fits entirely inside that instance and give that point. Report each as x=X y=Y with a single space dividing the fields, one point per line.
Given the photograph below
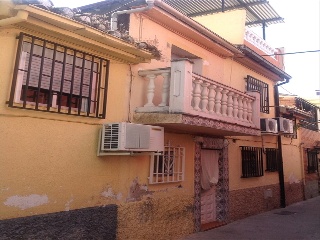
x=168 y=166
x=54 y=78
x=272 y=158
x=312 y=161
x=252 y=162
x=254 y=84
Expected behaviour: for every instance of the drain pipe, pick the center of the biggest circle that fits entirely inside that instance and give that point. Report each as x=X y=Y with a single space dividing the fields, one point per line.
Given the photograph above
x=114 y=16
x=20 y=17
x=280 y=163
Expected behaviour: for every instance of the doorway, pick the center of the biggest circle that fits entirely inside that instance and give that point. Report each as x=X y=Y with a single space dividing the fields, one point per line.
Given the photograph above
x=209 y=180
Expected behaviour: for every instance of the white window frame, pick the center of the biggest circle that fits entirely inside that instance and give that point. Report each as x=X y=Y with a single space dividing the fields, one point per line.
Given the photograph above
x=168 y=166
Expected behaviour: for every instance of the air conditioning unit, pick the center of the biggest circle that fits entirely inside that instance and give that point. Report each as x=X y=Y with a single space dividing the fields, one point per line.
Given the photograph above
x=269 y=125
x=285 y=125
x=130 y=137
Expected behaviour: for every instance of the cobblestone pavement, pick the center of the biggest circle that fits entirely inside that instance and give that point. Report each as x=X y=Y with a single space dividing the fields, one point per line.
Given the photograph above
x=299 y=221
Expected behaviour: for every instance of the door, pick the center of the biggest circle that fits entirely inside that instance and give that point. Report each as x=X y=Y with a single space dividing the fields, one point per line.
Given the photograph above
x=209 y=179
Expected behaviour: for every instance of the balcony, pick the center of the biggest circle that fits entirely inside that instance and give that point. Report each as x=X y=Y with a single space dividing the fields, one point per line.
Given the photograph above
x=192 y=103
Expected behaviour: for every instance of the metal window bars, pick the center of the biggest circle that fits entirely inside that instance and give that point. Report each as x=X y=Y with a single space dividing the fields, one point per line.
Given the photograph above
x=254 y=84
x=312 y=161
x=55 y=78
x=272 y=155
x=252 y=162
x=169 y=166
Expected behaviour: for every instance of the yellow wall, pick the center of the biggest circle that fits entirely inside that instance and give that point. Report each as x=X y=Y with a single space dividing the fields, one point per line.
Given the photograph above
x=234 y=154
x=229 y=25
x=49 y=160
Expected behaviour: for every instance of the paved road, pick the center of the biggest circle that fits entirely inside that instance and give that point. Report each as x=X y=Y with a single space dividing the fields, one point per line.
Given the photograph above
x=300 y=221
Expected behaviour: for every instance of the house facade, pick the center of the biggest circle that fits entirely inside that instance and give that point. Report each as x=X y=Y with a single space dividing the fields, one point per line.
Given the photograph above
x=306 y=118
x=209 y=158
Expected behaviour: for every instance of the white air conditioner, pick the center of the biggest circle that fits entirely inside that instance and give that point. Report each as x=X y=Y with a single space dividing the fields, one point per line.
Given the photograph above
x=130 y=137
x=269 y=125
x=285 y=125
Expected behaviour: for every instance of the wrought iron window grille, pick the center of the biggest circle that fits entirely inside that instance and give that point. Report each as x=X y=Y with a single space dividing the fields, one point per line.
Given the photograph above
x=272 y=159
x=312 y=156
x=54 y=78
x=168 y=166
x=252 y=162
x=254 y=84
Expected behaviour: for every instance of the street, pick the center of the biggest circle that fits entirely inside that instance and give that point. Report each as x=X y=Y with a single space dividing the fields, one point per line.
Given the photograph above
x=298 y=221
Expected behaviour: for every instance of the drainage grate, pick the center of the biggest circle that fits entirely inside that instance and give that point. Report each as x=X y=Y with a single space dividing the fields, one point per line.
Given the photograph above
x=285 y=213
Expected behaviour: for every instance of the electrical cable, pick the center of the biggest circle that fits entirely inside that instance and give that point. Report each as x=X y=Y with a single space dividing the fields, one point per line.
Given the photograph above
x=290 y=53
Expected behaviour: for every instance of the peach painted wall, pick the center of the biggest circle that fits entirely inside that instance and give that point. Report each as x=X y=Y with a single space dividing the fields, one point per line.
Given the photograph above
x=224 y=70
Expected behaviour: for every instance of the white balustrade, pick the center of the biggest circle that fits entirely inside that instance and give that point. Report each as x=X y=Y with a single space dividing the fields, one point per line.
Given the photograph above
x=185 y=92
x=260 y=43
x=165 y=89
x=152 y=76
x=217 y=99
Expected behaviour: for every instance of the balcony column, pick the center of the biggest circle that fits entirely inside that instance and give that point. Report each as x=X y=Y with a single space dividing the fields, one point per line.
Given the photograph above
x=230 y=104
x=224 y=100
x=165 y=89
x=181 y=89
x=196 y=95
x=235 y=105
x=245 y=109
x=211 y=98
x=218 y=100
x=204 y=96
x=240 y=113
x=150 y=90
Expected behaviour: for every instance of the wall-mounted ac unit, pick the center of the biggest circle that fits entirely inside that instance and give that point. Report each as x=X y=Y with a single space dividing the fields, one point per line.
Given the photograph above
x=130 y=137
x=285 y=125
x=268 y=125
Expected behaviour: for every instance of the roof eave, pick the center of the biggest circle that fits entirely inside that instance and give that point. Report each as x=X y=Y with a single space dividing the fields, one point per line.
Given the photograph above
x=262 y=61
x=134 y=54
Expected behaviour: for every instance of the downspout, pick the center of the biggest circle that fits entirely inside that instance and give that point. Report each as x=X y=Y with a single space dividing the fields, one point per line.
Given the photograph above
x=21 y=16
x=280 y=163
x=114 y=16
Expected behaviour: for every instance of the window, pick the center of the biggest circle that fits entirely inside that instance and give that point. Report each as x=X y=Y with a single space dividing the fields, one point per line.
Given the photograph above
x=167 y=166
x=312 y=161
x=252 y=162
x=54 y=78
x=257 y=85
x=272 y=159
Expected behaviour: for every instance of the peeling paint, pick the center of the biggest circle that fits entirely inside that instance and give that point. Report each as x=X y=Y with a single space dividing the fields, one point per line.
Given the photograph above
x=25 y=202
x=137 y=191
x=293 y=179
x=110 y=194
x=4 y=189
x=67 y=205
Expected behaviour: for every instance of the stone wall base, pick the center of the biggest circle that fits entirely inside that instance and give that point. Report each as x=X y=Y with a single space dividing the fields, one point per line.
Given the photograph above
x=311 y=189
x=87 y=223
x=251 y=201
x=294 y=193
x=246 y=202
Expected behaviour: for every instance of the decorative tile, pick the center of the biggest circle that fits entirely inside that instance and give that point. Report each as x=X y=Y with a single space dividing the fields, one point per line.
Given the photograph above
x=222 y=189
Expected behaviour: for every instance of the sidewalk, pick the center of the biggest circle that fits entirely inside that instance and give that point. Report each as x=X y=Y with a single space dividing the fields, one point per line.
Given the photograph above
x=295 y=222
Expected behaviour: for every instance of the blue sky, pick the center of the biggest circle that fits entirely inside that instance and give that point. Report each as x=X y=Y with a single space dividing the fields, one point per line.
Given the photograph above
x=299 y=33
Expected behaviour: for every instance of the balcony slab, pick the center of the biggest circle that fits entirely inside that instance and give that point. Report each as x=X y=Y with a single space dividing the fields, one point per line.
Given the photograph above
x=183 y=123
